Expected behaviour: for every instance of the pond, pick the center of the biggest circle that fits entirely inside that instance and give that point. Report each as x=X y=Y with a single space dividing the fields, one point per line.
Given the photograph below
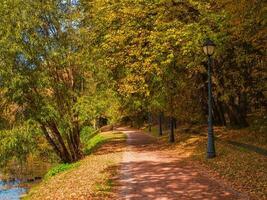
x=11 y=190
x=16 y=180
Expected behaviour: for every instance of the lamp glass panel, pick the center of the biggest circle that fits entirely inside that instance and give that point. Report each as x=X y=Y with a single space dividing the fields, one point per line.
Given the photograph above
x=205 y=49
x=210 y=50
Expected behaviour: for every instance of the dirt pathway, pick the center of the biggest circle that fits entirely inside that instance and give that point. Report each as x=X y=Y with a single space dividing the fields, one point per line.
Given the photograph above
x=148 y=173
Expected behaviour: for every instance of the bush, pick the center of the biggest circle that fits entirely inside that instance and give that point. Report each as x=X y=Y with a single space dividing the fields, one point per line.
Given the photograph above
x=17 y=143
x=87 y=133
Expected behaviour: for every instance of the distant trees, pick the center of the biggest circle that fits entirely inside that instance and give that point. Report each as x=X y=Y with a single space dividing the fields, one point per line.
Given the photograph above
x=153 y=49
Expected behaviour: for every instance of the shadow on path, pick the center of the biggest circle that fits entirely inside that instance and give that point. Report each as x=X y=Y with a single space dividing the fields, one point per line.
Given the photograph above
x=156 y=175
x=249 y=147
x=169 y=181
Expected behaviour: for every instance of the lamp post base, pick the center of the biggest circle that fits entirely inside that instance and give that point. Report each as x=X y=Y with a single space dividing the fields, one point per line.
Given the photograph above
x=211 y=155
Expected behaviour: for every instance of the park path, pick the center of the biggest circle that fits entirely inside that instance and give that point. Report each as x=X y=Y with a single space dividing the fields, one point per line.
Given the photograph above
x=150 y=174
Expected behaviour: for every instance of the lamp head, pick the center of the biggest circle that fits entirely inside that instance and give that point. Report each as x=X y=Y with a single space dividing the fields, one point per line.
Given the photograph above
x=209 y=47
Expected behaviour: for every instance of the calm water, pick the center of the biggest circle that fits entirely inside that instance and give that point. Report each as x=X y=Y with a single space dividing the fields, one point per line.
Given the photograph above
x=11 y=190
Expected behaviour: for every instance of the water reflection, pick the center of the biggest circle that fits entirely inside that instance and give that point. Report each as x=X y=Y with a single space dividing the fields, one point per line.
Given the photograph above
x=11 y=190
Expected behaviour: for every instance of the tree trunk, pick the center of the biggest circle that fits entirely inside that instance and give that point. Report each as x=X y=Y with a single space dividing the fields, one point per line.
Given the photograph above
x=56 y=142
x=59 y=137
x=221 y=113
x=71 y=147
x=218 y=114
x=52 y=143
x=160 y=123
x=171 y=136
x=76 y=140
x=236 y=114
x=149 y=122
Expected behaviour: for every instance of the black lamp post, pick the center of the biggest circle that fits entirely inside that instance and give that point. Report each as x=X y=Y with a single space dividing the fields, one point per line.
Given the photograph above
x=208 y=48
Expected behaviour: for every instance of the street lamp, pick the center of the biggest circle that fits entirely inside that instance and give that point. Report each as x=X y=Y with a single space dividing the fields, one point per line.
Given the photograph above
x=208 y=48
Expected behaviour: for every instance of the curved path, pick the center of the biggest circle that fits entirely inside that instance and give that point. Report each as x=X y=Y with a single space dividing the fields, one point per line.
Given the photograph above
x=150 y=174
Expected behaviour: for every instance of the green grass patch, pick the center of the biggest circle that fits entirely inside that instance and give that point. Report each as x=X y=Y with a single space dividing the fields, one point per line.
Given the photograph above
x=96 y=141
x=60 y=168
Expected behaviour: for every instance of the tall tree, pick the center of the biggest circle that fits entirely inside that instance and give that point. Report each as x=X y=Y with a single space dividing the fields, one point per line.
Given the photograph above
x=46 y=68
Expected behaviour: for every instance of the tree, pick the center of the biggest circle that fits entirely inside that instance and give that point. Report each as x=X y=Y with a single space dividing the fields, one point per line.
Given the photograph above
x=141 y=41
x=45 y=68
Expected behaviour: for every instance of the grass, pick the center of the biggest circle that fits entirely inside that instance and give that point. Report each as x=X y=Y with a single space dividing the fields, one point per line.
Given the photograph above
x=96 y=141
x=90 y=178
x=240 y=166
x=60 y=168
